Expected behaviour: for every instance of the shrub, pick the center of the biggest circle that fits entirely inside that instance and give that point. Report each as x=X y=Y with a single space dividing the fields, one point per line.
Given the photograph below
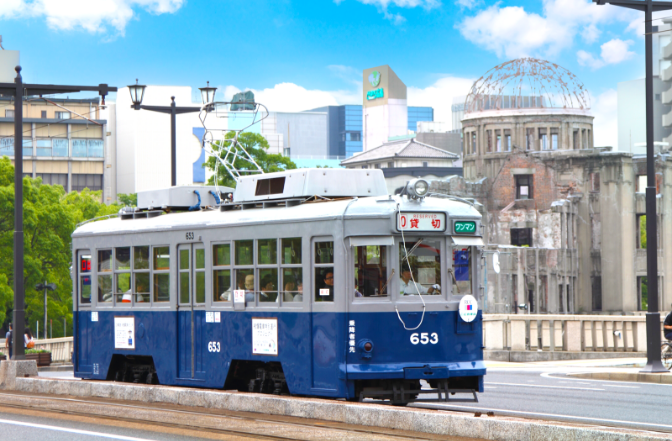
x=37 y=351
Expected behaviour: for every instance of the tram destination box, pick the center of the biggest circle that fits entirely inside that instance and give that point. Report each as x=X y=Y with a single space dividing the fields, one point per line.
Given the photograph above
x=181 y=197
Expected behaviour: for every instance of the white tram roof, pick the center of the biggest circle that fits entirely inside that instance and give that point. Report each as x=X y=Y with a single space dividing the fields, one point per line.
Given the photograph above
x=311 y=211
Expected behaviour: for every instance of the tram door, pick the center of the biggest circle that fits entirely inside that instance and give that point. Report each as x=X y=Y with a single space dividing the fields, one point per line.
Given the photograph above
x=190 y=315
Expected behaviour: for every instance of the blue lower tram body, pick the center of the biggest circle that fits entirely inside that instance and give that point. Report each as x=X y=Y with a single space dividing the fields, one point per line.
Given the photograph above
x=313 y=348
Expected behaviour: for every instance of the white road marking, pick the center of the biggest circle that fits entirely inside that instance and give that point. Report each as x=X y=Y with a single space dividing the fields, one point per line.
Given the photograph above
x=516 y=412
x=545 y=386
x=549 y=375
x=79 y=432
x=628 y=387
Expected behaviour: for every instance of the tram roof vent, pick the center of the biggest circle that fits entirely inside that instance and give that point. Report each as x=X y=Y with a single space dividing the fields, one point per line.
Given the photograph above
x=307 y=182
x=181 y=197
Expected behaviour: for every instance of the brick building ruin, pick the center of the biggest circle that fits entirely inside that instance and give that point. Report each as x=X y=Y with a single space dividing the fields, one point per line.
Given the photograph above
x=563 y=214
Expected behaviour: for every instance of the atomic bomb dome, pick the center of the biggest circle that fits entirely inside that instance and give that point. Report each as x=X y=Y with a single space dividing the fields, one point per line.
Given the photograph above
x=527 y=105
x=527 y=83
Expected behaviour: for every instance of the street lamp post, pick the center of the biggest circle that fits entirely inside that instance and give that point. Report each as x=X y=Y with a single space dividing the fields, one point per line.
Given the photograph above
x=653 y=363
x=46 y=287
x=137 y=92
x=18 y=89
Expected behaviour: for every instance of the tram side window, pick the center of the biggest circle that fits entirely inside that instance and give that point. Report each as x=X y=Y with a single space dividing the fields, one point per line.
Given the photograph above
x=462 y=268
x=420 y=267
x=292 y=272
x=324 y=271
x=199 y=273
x=184 y=282
x=122 y=274
x=105 y=288
x=221 y=273
x=267 y=254
x=371 y=278
x=161 y=274
x=141 y=274
x=85 y=278
x=243 y=255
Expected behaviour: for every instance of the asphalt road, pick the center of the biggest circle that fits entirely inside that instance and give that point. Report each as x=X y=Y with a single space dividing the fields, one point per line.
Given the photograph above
x=547 y=393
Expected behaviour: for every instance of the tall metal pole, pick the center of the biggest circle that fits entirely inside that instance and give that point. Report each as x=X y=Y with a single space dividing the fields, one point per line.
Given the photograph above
x=173 y=144
x=45 y=309
x=19 y=299
x=653 y=363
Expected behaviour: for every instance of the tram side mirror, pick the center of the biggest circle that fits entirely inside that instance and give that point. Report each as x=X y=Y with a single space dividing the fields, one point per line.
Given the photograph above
x=522 y=306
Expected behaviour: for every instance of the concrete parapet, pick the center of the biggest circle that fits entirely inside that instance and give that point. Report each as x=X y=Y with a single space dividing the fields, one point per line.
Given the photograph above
x=374 y=415
x=11 y=369
x=635 y=377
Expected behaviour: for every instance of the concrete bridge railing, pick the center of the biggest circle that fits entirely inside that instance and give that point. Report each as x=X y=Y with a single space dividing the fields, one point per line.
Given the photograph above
x=60 y=348
x=571 y=333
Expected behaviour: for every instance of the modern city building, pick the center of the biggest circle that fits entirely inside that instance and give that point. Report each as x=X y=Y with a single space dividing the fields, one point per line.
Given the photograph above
x=457 y=111
x=437 y=134
x=65 y=142
x=385 y=112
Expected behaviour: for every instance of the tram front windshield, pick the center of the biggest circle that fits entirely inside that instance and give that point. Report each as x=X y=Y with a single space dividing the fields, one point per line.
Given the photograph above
x=420 y=267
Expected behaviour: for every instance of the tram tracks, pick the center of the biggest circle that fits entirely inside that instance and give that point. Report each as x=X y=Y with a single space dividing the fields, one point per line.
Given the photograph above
x=204 y=423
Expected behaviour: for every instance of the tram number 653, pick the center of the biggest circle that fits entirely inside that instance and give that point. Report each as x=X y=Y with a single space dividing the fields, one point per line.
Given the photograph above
x=424 y=338
x=214 y=346
x=190 y=235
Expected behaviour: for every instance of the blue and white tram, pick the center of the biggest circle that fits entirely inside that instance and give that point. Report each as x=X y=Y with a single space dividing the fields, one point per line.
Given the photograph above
x=352 y=293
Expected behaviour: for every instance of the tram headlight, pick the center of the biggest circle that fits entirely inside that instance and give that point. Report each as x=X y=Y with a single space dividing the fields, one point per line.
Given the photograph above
x=417 y=188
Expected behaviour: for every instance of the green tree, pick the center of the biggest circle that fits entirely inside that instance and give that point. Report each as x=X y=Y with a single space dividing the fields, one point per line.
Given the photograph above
x=50 y=217
x=257 y=146
x=642 y=231
x=128 y=200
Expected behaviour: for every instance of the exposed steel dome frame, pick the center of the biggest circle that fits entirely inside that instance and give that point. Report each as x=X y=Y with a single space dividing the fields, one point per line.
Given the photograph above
x=533 y=82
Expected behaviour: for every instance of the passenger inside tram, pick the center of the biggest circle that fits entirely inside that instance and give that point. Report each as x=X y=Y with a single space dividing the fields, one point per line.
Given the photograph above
x=269 y=291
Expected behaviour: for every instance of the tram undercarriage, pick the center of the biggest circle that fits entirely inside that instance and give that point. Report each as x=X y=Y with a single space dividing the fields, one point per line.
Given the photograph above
x=132 y=369
x=402 y=392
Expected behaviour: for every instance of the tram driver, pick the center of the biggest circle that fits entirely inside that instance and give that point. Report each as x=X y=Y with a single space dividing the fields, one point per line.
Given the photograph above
x=408 y=287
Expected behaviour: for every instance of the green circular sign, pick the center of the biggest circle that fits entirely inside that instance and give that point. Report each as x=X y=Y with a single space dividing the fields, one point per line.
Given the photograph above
x=374 y=78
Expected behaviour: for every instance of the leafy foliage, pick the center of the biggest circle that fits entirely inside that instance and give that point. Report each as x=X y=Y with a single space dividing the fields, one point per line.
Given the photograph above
x=50 y=217
x=257 y=146
x=128 y=200
x=642 y=231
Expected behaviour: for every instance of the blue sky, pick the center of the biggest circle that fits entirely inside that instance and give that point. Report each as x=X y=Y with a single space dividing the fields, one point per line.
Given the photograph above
x=302 y=54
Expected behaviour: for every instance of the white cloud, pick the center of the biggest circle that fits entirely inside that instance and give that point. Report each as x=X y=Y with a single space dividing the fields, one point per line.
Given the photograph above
x=440 y=96
x=468 y=4
x=384 y=6
x=605 y=124
x=613 y=52
x=92 y=16
x=513 y=32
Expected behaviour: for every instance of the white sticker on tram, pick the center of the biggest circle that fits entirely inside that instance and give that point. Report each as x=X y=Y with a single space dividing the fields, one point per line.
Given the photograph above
x=238 y=296
x=77 y=431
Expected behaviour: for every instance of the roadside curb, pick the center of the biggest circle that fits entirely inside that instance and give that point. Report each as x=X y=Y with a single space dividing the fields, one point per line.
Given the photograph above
x=411 y=419
x=636 y=377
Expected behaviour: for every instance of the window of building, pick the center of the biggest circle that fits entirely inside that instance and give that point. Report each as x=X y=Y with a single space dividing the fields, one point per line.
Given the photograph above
x=640 y=240
x=642 y=294
x=324 y=271
x=498 y=140
x=596 y=286
x=62 y=115
x=355 y=136
x=291 y=270
x=371 y=279
x=576 y=144
x=54 y=179
x=524 y=186
x=529 y=139
x=473 y=143
x=365 y=166
x=521 y=237
x=507 y=140
x=376 y=165
x=390 y=164
x=594 y=182
x=420 y=267
x=90 y=181
x=43 y=114
x=425 y=164
x=543 y=139
x=9 y=114
x=43 y=147
x=85 y=277
x=489 y=134
x=554 y=138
